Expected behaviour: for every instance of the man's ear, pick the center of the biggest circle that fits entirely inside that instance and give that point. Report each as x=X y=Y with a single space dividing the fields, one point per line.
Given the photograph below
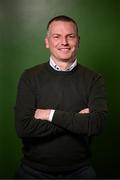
x=46 y=42
x=78 y=41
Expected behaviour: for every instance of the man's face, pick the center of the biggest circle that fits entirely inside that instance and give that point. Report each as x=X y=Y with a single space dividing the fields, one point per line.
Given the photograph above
x=63 y=41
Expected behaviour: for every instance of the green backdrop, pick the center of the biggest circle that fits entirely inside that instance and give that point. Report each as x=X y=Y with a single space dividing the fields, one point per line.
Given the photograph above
x=22 y=31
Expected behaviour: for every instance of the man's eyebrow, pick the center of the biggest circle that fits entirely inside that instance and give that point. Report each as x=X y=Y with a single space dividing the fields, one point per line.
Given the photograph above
x=72 y=34
x=56 y=34
x=66 y=34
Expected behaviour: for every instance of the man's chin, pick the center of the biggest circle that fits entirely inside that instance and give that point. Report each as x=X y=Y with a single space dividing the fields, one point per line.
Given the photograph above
x=65 y=59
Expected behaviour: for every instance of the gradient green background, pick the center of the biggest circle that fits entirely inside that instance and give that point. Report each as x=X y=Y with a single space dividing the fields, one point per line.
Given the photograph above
x=22 y=31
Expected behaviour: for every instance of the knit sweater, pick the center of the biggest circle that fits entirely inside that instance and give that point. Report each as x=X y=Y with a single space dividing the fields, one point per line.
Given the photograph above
x=64 y=143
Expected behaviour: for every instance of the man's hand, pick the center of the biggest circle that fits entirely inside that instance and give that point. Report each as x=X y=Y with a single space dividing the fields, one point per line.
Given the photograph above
x=85 y=111
x=42 y=114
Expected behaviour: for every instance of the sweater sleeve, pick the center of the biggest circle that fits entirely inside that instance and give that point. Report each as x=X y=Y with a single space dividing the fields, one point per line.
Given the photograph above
x=26 y=124
x=86 y=124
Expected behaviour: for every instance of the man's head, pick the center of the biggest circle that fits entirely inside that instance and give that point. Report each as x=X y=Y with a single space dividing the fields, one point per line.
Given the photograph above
x=64 y=19
x=62 y=38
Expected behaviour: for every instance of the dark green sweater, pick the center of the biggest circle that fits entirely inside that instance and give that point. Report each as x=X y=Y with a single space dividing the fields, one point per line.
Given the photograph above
x=64 y=143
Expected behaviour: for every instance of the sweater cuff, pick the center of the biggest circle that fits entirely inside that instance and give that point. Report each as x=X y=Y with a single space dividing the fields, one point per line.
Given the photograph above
x=51 y=114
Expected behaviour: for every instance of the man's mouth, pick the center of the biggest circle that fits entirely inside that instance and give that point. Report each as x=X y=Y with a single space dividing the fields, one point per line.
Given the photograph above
x=64 y=49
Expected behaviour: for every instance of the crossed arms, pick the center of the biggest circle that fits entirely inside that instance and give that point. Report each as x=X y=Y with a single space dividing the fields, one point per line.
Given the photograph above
x=43 y=114
x=32 y=122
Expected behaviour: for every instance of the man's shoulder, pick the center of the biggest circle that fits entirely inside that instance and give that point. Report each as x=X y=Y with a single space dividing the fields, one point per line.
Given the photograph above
x=84 y=70
x=35 y=70
x=37 y=67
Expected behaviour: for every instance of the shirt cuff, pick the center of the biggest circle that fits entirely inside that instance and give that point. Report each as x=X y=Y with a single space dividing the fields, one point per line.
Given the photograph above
x=51 y=114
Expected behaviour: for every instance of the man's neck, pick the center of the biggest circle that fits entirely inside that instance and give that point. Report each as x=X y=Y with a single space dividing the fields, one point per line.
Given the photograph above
x=63 y=65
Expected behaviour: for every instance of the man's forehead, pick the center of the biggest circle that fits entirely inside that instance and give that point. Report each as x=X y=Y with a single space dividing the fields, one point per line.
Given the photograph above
x=58 y=23
x=58 y=26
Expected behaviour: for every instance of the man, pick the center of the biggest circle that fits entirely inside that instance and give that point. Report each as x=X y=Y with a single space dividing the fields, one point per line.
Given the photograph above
x=60 y=105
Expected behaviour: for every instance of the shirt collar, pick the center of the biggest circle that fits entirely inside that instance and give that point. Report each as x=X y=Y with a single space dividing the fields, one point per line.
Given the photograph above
x=57 y=68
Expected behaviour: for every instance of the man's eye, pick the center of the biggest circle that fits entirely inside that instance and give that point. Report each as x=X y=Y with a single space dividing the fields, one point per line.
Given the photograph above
x=71 y=36
x=55 y=37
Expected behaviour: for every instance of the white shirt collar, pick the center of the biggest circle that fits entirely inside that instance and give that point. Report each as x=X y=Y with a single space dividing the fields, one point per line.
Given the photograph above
x=57 y=68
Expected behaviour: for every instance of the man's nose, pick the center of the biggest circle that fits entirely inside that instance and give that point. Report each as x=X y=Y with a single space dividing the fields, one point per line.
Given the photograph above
x=64 y=41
